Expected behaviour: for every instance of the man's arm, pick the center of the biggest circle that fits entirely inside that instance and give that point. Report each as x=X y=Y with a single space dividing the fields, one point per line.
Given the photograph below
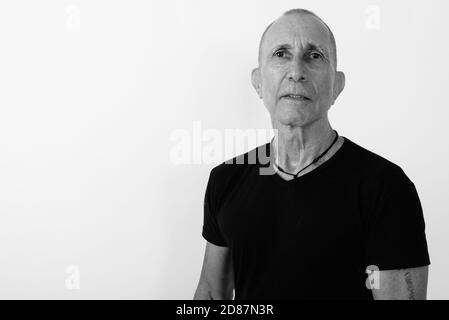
x=402 y=284
x=217 y=275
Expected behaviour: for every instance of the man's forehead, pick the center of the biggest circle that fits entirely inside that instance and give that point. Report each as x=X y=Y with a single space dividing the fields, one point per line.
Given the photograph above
x=297 y=27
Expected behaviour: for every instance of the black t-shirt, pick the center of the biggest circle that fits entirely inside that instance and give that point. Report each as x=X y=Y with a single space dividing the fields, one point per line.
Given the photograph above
x=313 y=237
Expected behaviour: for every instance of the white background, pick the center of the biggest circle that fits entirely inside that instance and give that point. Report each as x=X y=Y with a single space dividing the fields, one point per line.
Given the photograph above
x=91 y=91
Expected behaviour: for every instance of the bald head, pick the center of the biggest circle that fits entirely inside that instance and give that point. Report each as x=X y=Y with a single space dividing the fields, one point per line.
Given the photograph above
x=299 y=13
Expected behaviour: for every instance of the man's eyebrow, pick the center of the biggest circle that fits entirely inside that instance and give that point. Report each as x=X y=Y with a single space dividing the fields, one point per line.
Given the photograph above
x=313 y=46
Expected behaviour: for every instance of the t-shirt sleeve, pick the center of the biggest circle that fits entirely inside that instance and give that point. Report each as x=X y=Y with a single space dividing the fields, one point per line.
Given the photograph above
x=211 y=230
x=396 y=227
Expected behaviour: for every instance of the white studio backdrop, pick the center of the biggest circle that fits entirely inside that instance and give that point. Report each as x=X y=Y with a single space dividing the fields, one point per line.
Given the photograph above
x=93 y=206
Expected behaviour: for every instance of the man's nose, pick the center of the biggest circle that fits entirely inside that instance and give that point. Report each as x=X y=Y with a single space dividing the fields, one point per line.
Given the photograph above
x=297 y=71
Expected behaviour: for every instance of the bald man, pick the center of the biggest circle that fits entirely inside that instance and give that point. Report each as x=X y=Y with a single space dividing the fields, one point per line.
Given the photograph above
x=330 y=210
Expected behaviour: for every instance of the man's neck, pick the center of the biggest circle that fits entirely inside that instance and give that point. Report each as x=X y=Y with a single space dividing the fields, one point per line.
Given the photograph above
x=296 y=147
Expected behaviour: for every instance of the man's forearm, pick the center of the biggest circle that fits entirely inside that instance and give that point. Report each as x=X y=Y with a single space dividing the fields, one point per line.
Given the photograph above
x=203 y=292
x=402 y=284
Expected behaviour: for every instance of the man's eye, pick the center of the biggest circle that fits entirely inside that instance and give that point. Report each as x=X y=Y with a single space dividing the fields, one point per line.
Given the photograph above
x=279 y=54
x=315 y=55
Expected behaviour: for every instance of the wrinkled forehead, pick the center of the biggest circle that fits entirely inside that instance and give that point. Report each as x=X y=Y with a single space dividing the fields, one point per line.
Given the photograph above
x=296 y=29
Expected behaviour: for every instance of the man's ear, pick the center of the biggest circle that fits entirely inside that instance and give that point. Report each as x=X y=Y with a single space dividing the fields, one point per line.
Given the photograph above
x=256 y=81
x=339 y=84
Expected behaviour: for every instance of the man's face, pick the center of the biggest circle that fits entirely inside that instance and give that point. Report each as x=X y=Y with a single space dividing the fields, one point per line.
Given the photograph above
x=296 y=77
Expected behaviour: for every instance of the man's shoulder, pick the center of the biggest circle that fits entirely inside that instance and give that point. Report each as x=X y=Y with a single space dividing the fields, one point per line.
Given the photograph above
x=237 y=166
x=373 y=165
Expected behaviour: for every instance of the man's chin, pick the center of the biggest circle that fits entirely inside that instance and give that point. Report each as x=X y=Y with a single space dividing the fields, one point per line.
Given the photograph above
x=292 y=120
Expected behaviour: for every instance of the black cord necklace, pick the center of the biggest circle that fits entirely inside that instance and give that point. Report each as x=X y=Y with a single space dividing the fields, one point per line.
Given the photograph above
x=295 y=175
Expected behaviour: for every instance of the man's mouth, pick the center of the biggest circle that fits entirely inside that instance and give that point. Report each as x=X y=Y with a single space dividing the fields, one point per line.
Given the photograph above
x=295 y=97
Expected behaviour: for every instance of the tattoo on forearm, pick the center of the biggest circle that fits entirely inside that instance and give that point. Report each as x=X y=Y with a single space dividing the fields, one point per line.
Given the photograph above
x=409 y=282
